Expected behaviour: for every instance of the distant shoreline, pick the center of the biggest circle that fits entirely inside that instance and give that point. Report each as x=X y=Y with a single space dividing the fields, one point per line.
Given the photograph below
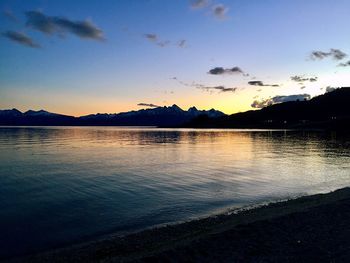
x=328 y=111
x=310 y=228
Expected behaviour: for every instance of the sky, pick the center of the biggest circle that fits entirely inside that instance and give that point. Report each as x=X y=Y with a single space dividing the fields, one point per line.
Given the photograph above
x=82 y=57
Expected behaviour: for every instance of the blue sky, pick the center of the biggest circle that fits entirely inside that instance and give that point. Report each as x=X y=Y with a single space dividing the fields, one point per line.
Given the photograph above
x=270 y=41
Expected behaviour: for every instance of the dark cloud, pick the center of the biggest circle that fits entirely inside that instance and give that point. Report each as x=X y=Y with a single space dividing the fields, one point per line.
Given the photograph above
x=261 y=84
x=219 y=11
x=204 y=87
x=20 y=38
x=216 y=88
x=151 y=105
x=336 y=54
x=330 y=89
x=303 y=78
x=151 y=37
x=279 y=99
x=256 y=83
x=9 y=15
x=346 y=64
x=50 y=25
x=199 y=3
x=221 y=71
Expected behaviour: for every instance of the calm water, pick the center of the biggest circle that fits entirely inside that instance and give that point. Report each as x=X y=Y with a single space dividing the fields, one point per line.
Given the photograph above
x=64 y=185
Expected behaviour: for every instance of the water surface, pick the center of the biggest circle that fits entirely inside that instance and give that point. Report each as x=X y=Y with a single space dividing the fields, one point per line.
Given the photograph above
x=60 y=185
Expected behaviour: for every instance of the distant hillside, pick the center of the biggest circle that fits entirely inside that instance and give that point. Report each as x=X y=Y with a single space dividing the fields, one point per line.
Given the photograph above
x=41 y=117
x=330 y=110
x=159 y=116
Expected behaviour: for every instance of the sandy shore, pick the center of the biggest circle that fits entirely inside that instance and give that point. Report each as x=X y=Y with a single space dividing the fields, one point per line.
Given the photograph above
x=308 y=229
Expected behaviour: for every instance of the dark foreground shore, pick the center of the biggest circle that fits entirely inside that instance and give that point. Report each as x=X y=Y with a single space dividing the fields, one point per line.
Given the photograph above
x=308 y=229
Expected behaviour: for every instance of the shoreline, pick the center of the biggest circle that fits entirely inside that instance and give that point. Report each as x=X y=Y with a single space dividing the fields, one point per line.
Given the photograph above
x=307 y=228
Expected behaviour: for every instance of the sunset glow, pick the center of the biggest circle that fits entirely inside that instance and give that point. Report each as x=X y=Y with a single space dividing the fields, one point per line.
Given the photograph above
x=161 y=52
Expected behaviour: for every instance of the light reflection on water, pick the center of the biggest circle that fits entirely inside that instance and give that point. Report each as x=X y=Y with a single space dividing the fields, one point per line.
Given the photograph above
x=67 y=184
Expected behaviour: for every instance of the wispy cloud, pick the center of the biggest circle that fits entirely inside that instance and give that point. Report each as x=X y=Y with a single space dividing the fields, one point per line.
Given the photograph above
x=20 y=38
x=346 y=64
x=51 y=25
x=335 y=54
x=151 y=37
x=297 y=78
x=279 y=99
x=9 y=15
x=203 y=87
x=181 y=43
x=154 y=38
x=150 y=105
x=199 y=3
x=163 y=43
x=261 y=84
x=222 y=71
x=216 y=88
x=220 y=11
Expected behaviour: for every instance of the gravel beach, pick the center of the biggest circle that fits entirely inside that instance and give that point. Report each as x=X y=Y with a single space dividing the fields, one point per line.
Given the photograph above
x=307 y=229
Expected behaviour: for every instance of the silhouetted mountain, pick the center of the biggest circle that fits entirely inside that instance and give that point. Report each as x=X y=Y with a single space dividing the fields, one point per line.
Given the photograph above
x=160 y=116
x=330 y=110
x=41 y=117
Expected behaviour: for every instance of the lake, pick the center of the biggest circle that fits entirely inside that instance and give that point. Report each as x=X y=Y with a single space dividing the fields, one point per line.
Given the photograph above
x=62 y=185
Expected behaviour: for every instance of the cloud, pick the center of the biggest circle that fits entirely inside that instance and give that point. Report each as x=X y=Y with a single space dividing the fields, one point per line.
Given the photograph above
x=20 y=38
x=302 y=87
x=336 y=54
x=196 y=4
x=330 y=89
x=204 y=87
x=151 y=37
x=297 y=78
x=346 y=64
x=155 y=39
x=217 y=88
x=279 y=99
x=219 y=11
x=184 y=83
x=261 y=84
x=151 y=105
x=313 y=79
x=181 y=43
x=51 y=25
x=9 y=15
x=221 y=71
x=163 y=43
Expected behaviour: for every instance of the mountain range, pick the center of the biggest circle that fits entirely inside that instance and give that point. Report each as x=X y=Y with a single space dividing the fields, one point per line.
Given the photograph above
x=159 y=116
x=328 y=111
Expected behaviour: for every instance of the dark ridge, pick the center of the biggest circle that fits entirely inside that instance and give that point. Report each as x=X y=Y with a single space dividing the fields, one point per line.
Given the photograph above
x=159 y=116
x=327 y=111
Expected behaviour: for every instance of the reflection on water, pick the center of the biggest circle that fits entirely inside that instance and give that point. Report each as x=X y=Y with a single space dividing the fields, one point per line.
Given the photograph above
x=62 y=185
